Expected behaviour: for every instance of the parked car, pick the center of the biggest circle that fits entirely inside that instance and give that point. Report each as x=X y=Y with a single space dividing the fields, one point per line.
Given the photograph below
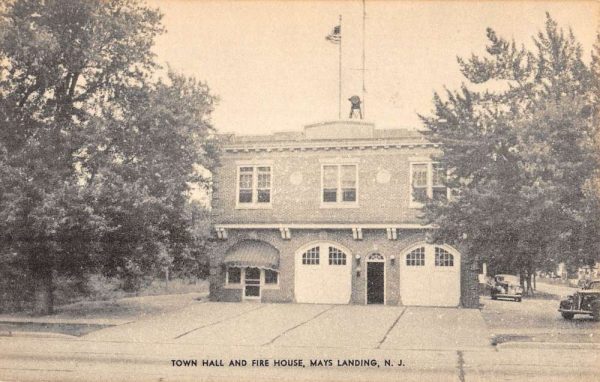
x=581 y=283
x=507 y=286
x=584 y=301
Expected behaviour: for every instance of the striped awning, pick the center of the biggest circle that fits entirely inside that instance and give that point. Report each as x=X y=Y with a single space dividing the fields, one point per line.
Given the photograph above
x=252 y=253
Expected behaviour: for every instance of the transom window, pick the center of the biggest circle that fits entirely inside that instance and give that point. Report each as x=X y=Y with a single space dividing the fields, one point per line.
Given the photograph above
x=375 y=257
x=427 y=180
x=339 y=183
x=443 y=258
x=311 y=257
x=336 y=257
x=254 y=186
x=416 y=258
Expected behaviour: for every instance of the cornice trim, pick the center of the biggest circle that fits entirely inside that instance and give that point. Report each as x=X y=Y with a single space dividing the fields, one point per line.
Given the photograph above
x=323 y=226
x=253 y=147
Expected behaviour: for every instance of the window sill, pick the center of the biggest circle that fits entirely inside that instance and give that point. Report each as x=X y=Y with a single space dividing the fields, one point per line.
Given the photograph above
x=338 y=205
x=266 y=206
x=233 y=286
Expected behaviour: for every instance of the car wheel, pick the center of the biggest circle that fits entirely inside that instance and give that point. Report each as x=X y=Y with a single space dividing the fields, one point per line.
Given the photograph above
x=518 y=299
x=494 y=297
x=567 y=315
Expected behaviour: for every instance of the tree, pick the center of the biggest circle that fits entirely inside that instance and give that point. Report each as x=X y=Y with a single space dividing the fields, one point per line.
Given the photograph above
x=520 y=154
x=95 y=156
x=144 y=168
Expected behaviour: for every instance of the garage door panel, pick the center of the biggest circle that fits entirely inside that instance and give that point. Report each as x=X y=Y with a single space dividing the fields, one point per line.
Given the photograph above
x=445 y=289
x=414 y=286
x=323 y=283
x=429 y=281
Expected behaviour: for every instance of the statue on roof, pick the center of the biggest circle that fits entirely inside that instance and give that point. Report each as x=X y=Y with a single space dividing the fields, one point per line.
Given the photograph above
x=355 y=107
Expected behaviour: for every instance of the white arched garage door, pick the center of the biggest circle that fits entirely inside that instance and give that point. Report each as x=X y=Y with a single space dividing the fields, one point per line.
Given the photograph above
x=430 y=276
x=323 y=274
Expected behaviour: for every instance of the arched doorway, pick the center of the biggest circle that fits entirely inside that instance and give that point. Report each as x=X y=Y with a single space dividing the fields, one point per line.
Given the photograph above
x=430 y=275
x=375 y=279
x=323 y=274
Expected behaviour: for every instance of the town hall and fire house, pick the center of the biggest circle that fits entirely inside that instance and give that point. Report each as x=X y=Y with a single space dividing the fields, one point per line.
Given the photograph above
x=330 y=214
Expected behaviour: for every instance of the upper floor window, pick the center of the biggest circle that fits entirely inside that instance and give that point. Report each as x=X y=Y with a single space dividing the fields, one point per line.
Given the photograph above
x=427 y=180
x=254 y=186
x=438 y=182
x=339 y=184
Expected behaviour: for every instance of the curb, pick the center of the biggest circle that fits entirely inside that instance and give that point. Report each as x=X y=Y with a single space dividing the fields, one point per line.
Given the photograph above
x=54 y=321
x=5 y=334
x=548 y=345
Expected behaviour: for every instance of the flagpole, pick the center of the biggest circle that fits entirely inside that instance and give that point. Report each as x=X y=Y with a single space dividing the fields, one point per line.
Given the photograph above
x=340 y=75
x=364 y=112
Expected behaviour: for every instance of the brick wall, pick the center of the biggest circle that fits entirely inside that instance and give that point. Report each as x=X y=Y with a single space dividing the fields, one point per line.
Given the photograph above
x=373 y=241
x=469 y=282
x=378 y=201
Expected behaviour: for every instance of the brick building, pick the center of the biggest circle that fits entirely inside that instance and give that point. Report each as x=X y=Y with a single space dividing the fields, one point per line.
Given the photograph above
x=328 y=215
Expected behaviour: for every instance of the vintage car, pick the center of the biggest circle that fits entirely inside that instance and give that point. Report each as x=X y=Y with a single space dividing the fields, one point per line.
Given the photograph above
x=584 y=301
x=506 y=286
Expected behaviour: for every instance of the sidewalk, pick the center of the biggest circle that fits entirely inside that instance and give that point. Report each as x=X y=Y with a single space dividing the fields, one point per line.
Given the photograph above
x=84 y=317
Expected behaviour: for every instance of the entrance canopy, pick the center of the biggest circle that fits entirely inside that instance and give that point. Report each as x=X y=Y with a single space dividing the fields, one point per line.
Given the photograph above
x=253 y=253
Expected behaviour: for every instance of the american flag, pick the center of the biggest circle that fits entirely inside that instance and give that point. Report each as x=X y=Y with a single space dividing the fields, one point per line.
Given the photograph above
x=336 y=35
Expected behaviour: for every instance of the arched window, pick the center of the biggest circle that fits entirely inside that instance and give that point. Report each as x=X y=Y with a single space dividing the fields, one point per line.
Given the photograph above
x=416 y=258
x=336 y=256
x=375 y=257
x=311 y=257
x=443 y=258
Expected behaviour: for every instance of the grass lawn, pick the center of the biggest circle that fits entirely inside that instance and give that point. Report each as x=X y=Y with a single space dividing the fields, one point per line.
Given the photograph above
x=153 y=299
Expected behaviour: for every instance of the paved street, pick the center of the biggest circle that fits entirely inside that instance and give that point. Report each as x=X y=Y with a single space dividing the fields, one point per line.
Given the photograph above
x=537 y=319
x=432 y=344
x=63 y=360
x=559 y=290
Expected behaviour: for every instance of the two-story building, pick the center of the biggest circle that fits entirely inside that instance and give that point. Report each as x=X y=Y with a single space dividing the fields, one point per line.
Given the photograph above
x=332 y=215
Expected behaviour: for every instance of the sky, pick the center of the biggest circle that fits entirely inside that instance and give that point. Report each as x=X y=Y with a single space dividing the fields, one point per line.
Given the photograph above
x=273 y=70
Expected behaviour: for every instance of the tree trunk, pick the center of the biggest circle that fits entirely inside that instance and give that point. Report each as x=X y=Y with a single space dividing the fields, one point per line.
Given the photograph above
x=522 y=277
x=44 y=294
x=529 y=284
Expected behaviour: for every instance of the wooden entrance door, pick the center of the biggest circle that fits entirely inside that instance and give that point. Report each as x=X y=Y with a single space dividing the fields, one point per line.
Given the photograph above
x=375 y=282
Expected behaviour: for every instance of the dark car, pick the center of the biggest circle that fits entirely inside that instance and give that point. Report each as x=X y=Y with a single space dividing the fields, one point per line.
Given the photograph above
x=506 y=286
x=584 y=301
